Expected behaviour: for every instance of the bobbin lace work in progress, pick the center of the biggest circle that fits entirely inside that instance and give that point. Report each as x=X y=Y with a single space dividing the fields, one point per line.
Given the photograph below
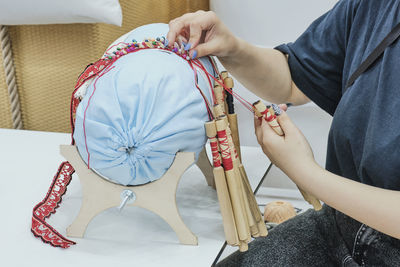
x=241 y=216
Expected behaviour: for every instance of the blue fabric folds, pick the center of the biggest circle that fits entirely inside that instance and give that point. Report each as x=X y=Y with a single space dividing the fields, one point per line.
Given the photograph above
x=142 y=112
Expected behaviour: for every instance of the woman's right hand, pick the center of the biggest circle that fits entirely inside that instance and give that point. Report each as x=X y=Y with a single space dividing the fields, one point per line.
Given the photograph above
x=204 y=34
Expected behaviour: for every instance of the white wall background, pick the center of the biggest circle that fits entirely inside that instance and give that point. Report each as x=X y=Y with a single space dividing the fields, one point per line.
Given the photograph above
x=270 y=23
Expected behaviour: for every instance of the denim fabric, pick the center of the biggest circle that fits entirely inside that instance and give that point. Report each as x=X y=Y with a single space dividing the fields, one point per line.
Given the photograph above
x=364 y=139
x=319 y=238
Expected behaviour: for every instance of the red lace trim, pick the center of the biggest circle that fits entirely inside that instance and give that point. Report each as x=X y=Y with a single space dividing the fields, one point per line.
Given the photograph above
x=49 y=205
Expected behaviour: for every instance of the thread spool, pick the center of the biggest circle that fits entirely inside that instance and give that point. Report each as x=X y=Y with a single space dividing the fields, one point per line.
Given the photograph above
x=278 y=211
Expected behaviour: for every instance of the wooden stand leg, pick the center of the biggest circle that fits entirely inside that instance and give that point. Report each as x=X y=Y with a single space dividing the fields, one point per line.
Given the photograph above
x=158 y=197
x=87 y=212
x=206 y=168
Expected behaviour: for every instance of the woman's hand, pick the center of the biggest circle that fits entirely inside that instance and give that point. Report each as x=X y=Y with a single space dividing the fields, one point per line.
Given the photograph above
x=290 y=152
x=203 y=33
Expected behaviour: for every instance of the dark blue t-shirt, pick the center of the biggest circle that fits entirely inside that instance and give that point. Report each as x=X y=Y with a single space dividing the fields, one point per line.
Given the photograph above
x=364 y=139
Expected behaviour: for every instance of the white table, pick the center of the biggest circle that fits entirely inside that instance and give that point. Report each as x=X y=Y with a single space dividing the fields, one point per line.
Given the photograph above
x=134 y=237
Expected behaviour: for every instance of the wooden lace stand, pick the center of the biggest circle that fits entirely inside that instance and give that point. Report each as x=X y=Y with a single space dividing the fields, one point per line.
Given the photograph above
x=99 y=194
x=206 y=168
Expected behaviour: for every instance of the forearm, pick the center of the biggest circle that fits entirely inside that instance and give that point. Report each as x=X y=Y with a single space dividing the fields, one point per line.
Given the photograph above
x=373 y=206
x=263 y=71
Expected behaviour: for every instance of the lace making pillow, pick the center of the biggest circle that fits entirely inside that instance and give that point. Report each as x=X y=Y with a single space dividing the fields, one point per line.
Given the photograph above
x=134 y=118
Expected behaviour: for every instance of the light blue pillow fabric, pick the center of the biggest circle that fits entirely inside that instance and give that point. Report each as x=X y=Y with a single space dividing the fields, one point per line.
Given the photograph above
x=142 y=113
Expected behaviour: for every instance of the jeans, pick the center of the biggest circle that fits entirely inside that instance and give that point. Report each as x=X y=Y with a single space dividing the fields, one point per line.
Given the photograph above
x=319 y=238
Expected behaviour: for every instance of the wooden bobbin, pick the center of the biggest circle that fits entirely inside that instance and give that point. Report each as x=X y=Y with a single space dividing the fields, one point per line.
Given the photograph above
x=262 y=229
x=311 y=199
x=245 y=200
x=243 y=197
x=228 y=81
x=224 y=74
x=229 y=136
x=262 y=109
x=220 y=96
x=223 y=195
x=232 y=117
x=235 y=190
x=233 y=125
x=218 y=110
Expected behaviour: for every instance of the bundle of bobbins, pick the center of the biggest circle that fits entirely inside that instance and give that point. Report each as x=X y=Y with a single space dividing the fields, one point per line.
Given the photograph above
x=269 y=114
x=241 y=216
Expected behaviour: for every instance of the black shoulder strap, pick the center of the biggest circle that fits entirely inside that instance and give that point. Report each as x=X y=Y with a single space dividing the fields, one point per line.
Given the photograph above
x=375 y=54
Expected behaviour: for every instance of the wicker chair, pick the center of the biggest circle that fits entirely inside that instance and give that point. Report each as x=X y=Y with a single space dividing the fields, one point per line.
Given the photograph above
x=48 y=59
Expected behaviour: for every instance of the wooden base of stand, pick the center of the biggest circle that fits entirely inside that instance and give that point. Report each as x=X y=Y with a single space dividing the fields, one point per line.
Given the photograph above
x=158 y=197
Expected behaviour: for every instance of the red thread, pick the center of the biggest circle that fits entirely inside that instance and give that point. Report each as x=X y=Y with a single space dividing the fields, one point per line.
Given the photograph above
x=110 y=67
x=225 y=150
x=215 y=153
x=210 y=114
x=243 y=101
x=270 y=118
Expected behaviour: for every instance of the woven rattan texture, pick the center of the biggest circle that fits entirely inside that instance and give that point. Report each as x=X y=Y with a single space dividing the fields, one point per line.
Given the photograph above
x=49 y=58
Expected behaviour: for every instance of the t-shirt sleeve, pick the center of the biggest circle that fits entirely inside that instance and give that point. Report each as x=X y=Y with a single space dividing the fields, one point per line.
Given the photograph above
x=316 y=58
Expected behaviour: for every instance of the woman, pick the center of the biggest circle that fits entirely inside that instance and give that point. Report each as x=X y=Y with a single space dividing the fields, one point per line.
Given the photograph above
x=360 y=223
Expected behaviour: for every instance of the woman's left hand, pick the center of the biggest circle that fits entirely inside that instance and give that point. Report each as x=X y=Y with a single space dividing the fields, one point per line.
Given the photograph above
x=289 y=152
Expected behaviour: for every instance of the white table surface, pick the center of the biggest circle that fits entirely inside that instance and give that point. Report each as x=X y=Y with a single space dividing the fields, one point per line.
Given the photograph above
x=136 y=237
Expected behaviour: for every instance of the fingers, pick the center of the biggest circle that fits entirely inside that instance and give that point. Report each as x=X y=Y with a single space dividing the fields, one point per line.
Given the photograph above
x=284 y=107
x=286 y=123
x=195 y=35
x=191 y=26
x=267 y=131
x=181 y=40
x=258 y=130
x=175 y=28
x=263 y=131
x=202 y=50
